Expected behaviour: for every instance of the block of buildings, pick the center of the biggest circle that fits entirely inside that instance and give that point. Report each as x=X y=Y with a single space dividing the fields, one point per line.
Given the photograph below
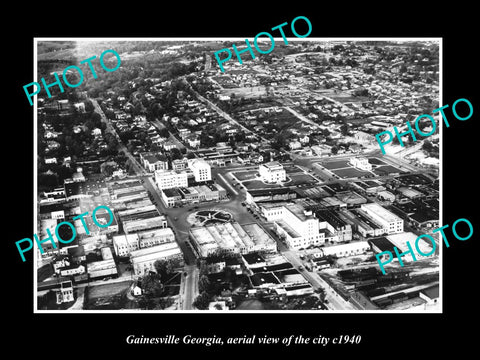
x=231 y=238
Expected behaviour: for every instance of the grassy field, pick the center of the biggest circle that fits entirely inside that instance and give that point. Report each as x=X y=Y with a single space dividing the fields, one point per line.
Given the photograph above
x=387 y=169
x=302 y=179
x=375 y=161
x=107 y=290
x=257 y=184
x=331 y=165
x=350 y=173
x=245 y=175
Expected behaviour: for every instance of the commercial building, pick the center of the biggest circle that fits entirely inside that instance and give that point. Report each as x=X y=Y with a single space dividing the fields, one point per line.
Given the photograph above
x=102 y=268
x=125 y=244
x=193 y=194
x=155 y=237
x=389 y=221
x=143 y=260
x=350 y=249
x=201 y=170
x=298 y=226
x=272 y=172
x=229 y=238
x=170 y=179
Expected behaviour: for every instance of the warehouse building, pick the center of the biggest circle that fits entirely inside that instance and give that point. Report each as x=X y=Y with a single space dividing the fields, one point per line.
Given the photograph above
x=230 y=238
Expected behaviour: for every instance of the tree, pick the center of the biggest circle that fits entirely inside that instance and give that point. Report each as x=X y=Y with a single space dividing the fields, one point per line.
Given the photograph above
x=344 y=129
x=203 y=283
x=201 y=302
x=176 y=154
x=151 y=285
x=334 y=150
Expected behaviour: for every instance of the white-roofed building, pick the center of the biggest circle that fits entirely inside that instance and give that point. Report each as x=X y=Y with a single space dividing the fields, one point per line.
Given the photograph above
x=201 y=170
x=143 y=260
x=388 y=220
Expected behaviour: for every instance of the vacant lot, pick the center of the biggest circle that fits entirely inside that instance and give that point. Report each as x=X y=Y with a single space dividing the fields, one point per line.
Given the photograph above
x=245 y=175
x=387 y=169
x=107 y=290
x=350 y=173
x=375 y=161
x=257 y=184
x=335 y=164
x=302 y=179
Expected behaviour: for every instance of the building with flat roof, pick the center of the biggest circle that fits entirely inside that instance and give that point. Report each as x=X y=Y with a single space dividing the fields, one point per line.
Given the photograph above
x=298 y=226
x=124 y=244
x=149 y=238
x=170 y=179
x=388 y=220
x=400 y=242
x=350 y=249
x=133 y=226
x=231 y=237
x=143 y=260
x=272 y=172
x=201 y=170
x=102 y=268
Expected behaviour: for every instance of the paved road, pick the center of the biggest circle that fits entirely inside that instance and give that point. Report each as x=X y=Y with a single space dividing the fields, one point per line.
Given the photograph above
x=139 y=170
x=190 y=288
x=335 y=301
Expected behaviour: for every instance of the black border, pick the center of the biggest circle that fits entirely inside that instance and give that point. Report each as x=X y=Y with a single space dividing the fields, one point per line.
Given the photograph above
x=382 y=334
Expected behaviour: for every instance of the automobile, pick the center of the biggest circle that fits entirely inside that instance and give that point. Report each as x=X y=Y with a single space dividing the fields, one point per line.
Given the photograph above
x=301 y=268
x=106 y=278
x=175 y=218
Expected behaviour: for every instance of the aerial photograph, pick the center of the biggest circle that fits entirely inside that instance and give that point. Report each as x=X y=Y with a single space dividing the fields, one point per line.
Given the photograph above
x=164 y=184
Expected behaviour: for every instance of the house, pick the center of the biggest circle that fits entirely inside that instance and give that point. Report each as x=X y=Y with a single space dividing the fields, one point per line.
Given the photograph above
x=137 y=291
x=294 y=145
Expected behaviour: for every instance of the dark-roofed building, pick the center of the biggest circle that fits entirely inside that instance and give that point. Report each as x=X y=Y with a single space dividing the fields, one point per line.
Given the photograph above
x=264 y=279
x=381 y=244
x=77 y=254
x=274 y=194
x=152 y=161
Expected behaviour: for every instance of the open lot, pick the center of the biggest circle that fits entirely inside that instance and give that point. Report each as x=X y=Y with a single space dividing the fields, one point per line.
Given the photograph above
x=375 y=161
x=350 y=173
x=298 y=179
x=335 y=164
x=257 y=184
x=387 y=169
x=107 y=290
x=245 y=175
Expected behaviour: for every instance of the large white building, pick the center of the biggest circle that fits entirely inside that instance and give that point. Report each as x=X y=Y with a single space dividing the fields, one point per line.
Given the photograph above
x=201 y=169
x=170 y=179
x=299 y=227
x=361 y=163
x=272 y=172
x=389 y=221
